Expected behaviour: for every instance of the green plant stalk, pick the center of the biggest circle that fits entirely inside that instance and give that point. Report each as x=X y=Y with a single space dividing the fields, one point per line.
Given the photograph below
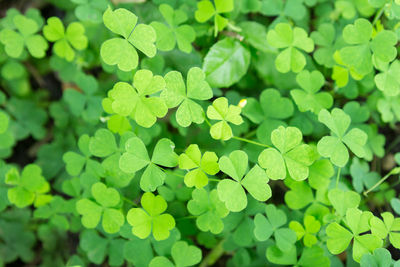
x=392 y=172
x=250 y=141
x=214 y=255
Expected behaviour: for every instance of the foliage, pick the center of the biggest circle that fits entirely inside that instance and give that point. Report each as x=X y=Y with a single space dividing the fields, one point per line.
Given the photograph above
x=199 y=133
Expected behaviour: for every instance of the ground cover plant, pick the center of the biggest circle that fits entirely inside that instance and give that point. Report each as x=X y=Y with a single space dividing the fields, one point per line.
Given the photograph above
x=199 y=133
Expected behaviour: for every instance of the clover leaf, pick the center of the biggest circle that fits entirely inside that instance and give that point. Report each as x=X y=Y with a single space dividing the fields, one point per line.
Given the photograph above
x=324 y=38
x=291 y=39
x=182 y=254
x=389 y=107
x=358 y=222
x=138 y=102
x=343 y=200
x=311 y=227
x=209 y=209
x=290 y=8
x=136 y=158
x=84 y=101
x=173 y=33
x=198 y=166
x=121 y=51
x=380 y=257
x=265 y=227
x=98 y=248
x=269 y=112
x=207 y=9
x=362 y=177
x=26 y=36
x=255 y=181
x=390 y=226
x=223 y=112
x=106 y=200
x=90 y=10
x=389 y=81
x=65 y=40
x=176 y=93
x=290 y=155
x=4 y=121
x=309 y=99
x=358 y=55
x=30 y=187
x=334 y=146
x=150 y=218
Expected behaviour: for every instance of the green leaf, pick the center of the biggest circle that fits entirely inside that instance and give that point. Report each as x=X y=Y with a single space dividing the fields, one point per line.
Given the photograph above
x=291 y=155
x=226 y=63
x=176 y=94
x=122 y=52
x=206 y=10
x=343 y=200
x=184 y=254
x=389 y=226
x=209 y=209
x=389 y=81
x=380 y=257
x=198 y=166
x=151 y=218
x=103 y=143
x=223 y=112
x=334 y=146
x=283 y=36
x=309 y=99
x=30 y=187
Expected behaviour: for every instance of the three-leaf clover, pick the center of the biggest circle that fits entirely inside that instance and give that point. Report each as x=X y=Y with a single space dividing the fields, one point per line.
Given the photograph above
x=308 y=98
x=358 y=223
x=65 y=40
x=390 y=226
x=198 y=166
x=150 y=218
x=90 y=10
x=272 y=224
x=209 y=209
x=358 y=54
x=121 y=51
x=26 y=36
x=207 y=9
x=289 y=155
x=231 y=192
x=333 y=146
x=324 y=38
x=223 y=112
x=174 y=33
x=30 y=187
x=388 y=81
x=139 y=101
x=269 y=112
x=291 y=39
x=183 y=255
x=176 y=93
x=136 y=158
x=311 y=227
x=104 y=206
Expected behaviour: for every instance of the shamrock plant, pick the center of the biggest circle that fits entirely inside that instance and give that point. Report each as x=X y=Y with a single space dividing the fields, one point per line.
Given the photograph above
x=200 y=133
x=65 y=40
x=121 y=51
x=173 y=34
x=291 y=39
x=26 y=36
x=106 y=199
x=150 y=218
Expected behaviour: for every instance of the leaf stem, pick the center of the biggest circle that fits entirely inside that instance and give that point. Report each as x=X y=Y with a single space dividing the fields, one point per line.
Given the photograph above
x=186 y=218
x=214 y=180
x=392 y=172
x=378 y=15
x=129 y=201
x=171 y=172
x=338 y=177
x=206 y=120
x=250 y=141
x=214 y=255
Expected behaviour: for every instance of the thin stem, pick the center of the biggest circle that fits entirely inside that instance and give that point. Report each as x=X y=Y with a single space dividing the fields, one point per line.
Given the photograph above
x=338 y=177
x=171 y=172
x=250 y=141
x=233 y=27
x=392 y=172
x=213 y=180
x=186 y=218
x=214 y=255
x=206 y=120
x=378 y=15
x=129 y=201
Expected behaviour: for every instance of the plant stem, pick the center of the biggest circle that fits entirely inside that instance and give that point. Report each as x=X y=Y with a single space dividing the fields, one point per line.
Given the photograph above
x=338 y=177
x=250 y=141
x=378 y=15
x=171 y=172
x=213 y=180
x=393 y=171
x=129 y=201
x=186 y=218
x=214 y=255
